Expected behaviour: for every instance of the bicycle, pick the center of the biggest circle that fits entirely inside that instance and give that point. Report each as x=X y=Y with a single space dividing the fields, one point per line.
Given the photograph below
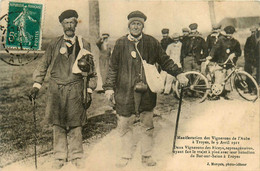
x=199 y=87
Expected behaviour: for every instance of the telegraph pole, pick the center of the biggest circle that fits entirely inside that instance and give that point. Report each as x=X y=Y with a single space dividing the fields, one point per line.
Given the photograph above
x=212 y=12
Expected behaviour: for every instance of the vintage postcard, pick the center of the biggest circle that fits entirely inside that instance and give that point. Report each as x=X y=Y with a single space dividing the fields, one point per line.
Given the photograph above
x=129 y=85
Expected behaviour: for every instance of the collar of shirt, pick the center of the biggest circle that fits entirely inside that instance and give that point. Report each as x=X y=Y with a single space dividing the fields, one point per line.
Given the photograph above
x=69 y=41
x=133 y=39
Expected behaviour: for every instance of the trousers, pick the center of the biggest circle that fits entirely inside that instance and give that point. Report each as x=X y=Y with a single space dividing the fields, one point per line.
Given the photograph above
x=190 y=64
x=220 y=75
x=125 y=128
x=67 y=143
x=169 y=84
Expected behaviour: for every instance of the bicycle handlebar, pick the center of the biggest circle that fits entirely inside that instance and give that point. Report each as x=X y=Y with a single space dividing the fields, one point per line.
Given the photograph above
x=222 y=64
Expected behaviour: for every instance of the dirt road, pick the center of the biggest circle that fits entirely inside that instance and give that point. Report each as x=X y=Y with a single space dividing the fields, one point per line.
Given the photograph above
x=236 y=118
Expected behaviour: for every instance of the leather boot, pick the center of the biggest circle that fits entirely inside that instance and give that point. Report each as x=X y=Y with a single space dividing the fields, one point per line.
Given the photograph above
x=58 y=164
x=148 y=161
x=122 y=162
x=78 y=162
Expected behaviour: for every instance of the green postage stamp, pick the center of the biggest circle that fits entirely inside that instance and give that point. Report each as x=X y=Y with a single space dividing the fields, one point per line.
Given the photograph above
x=24 y=26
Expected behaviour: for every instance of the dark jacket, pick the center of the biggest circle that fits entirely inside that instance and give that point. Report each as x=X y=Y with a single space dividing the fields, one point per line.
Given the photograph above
x=211 y=42
x=224 y=48
x=195 y=46
x=124 y=71
x=250 y=51
x=165 y=42
x=65 y=92
x=183 y=40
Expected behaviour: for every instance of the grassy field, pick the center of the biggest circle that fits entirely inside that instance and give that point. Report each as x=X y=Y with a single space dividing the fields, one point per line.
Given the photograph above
x=16 y=116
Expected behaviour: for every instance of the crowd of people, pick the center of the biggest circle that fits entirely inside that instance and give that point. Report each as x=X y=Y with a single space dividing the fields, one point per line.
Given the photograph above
x=194 y=53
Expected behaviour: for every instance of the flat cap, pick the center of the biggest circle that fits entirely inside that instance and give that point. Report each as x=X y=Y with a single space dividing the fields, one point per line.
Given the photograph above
x=193 y=26
x=229 y=29
x=136 y=14
x=68 y=14
x=254 y=28
x=216 y=26
x=105 y=35
x=165 y=31
x=175 y=36
x=185 y=30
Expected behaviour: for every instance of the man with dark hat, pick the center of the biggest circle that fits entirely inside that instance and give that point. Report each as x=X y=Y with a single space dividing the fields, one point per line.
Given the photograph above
x=104 y=55
x=211 y=41
x=226 y=47
x=213 y=36
x=185 y=34
x=251 y=57
x=66 y=110
x=195 y=50
x=126 y=83
x=166 y=40
x=183 y=40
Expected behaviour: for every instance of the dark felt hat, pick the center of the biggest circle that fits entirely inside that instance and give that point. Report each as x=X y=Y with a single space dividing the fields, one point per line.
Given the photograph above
x=68 y=14
x=105 y=35
x=229 y=29
x=193 y=26
x=185 y=30
x=165 y=31
x=136 y=15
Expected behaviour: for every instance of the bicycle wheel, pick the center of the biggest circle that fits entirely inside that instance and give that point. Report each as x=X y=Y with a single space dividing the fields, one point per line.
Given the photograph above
x=197 y=88
x=246 y=86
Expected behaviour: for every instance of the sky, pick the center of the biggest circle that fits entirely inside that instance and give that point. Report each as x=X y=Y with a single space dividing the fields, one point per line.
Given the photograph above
x=160 y=14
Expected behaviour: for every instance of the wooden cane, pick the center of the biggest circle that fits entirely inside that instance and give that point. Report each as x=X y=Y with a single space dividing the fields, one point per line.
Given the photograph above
x=177 y=120
x=35 y=134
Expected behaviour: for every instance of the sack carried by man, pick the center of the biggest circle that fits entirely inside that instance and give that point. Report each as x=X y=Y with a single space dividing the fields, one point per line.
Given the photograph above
x=153 y=77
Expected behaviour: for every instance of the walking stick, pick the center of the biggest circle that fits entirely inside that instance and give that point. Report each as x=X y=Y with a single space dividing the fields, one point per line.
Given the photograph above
x=177 y=120
x=35 y=134
x=85 y=88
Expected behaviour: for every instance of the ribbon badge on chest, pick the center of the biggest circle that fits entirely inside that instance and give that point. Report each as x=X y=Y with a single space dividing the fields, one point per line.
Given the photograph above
x=63 y=50
x=133 y=54
x=228 y=50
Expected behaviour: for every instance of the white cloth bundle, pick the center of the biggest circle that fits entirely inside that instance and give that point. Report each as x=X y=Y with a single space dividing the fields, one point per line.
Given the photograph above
x=82 y=52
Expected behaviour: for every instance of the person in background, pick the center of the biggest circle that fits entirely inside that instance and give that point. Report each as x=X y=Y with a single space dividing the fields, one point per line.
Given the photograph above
x=213 y=37
x=126 y=83
x=195 y=50
x=211 y=41
x=104 y=55
x=185 y=34
x=166 y=40
x=251 y=57
x=226 y=47
x=174 y=51
x=183 y=40
x=65 y=109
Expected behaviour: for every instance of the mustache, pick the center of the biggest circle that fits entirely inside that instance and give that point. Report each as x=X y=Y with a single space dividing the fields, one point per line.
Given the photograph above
x=70 y=29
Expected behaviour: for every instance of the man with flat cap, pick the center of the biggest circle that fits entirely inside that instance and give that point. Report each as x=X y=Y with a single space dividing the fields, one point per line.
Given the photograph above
x=226 y=47
x=185 y=34
x=183 y=40
x=174 y=51
x=195 y=50
x=126 y=82
x=104 y=55
x=251 y=56
x=166 y=40
x=213 y=37
x=66 y=108
x=211 y=41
